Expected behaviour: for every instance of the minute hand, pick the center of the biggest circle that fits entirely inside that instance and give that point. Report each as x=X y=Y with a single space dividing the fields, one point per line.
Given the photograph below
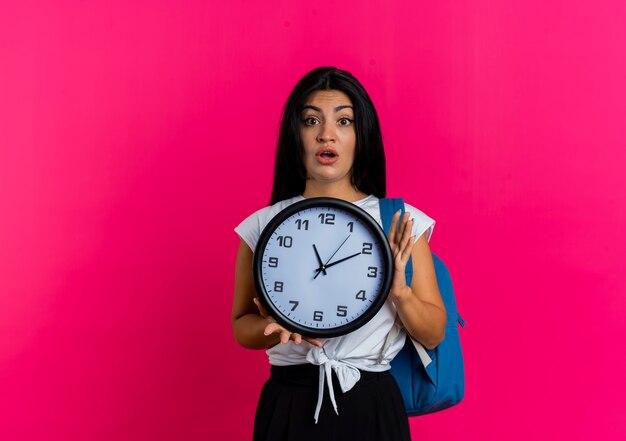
x=341 y=260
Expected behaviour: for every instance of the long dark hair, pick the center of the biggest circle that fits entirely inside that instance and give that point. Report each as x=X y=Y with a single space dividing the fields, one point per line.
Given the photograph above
x=368 y=169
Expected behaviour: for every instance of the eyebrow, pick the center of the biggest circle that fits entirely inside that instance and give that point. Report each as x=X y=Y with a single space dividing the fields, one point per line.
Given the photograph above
x=337 y=109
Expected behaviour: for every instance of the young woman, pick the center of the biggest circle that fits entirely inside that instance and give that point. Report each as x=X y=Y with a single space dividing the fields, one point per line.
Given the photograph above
x=330 y=145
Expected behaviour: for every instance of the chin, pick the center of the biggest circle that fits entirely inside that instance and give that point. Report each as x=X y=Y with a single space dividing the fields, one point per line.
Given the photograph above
x=330 y=179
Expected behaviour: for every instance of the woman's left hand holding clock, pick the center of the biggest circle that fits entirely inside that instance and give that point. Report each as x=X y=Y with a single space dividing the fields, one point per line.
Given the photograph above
x=284 y=334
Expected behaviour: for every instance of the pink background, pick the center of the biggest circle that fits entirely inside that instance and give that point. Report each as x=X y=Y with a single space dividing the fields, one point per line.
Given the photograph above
x=135 y=137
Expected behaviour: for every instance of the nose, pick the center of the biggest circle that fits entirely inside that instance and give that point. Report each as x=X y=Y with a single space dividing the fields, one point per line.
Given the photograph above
x=326 y=133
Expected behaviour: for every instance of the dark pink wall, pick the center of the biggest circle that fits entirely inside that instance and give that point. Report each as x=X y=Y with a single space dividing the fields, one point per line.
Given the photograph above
x=134 y=137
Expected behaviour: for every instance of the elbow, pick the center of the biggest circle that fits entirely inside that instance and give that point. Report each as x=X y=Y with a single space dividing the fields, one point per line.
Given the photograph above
x=438 y=333
x=435 y=340
x=244 y=335
x=244 y=341
x=432 y=340
x=239 y=338
x=239 y=335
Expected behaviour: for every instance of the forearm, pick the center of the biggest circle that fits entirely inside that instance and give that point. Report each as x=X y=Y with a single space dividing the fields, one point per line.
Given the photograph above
x=425 y=322
x=249 y=332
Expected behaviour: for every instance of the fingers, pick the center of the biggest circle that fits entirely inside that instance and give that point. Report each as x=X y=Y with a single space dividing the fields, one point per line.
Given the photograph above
x=400 y=233
x=393 y=231
x=407 y=248
x=405 y=239
x=314 y=342
x=262 y=310
x=298 y=338
x=284 y=335
x=397 y=232
x=273 y=328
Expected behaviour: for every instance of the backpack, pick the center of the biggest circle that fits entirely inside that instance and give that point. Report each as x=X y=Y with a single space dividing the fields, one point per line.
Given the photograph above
x=429 y=380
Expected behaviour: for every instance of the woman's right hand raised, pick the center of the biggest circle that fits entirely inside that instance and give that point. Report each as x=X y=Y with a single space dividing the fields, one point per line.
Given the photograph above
x=284 y=334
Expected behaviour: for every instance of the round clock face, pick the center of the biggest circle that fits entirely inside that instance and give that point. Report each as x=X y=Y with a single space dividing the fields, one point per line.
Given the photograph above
x=322 y=267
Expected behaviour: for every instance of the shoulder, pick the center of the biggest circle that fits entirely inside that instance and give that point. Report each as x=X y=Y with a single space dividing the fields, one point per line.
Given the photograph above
x=422 y=222
x=250 y=228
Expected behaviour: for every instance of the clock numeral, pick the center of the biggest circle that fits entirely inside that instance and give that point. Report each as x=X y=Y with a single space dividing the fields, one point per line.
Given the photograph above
x=372 y=271
x=327 y=218
x=360 y=295
x=318 y=316
x=294 y=303
x=273 y=262
x=278 y=286
x=285 y=241
x=302 y=223
x=367 y=248
x=342 y=311
x=351 y=226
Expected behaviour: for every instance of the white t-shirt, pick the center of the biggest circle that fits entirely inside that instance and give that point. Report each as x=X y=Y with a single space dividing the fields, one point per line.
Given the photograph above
x=360 y=349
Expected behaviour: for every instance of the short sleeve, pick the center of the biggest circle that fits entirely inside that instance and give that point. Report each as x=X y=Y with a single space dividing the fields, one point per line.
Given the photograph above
x=422 y=222
x=249 y=230
x=251 y=227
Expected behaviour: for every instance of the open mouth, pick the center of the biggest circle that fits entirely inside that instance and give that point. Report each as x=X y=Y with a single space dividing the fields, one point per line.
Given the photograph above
x=327 y=153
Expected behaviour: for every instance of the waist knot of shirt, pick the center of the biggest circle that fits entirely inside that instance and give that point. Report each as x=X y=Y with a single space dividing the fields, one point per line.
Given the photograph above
x=347 y=376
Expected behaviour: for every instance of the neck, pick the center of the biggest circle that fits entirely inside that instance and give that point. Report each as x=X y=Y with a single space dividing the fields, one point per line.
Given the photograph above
x=345 y=191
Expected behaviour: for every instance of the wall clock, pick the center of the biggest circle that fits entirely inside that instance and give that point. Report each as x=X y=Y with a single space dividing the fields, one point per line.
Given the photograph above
x=322 y=267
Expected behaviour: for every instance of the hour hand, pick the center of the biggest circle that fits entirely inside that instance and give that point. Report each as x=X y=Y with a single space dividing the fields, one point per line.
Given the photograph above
x=319 y=260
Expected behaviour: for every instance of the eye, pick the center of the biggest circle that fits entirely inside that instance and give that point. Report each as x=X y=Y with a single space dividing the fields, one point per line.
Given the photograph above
x=310 y=121
x=344 y=122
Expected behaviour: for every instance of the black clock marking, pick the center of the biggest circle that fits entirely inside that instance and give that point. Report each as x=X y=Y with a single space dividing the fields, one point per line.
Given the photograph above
x=327 y=218
x=319 y=260
x=302 y=223
x=285 y=241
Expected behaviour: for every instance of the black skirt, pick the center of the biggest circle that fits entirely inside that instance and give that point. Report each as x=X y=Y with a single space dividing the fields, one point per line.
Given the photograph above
x=372 y=410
